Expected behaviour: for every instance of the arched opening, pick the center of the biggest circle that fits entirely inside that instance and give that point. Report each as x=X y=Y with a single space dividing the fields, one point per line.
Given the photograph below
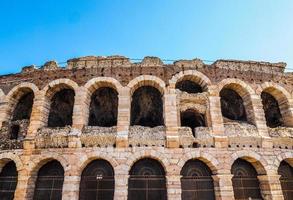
x=286 y=179
x=147 y=107
x=24 y=106
x=49 y=182
x=97 y=181
x=147 y=181
x=61 y=108
x=188 y=86
x=272 y=110
x=232 y=105
x=8 y=181
x=104 y=107
x=245 y=182
x=196 y=181
x=192 y=119
x=21 y=114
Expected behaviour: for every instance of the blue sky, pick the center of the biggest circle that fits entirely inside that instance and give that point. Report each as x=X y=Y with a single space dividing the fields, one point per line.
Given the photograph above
x=34 y=31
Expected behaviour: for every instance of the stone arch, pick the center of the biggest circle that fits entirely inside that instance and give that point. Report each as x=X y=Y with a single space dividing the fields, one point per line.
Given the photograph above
x=17 y=90
x=144 y=171
x=206 y=158
x=107 y=91
x=92 y=85
x=191 y=75
x=2 y=95
x=36 y=163
x=8 y=156
x=285 y=156
x=257 y=161
x=153 y=155
x=147 y=80
x=282 y=96
x=53 y=88
x=85 y=160
x=246 y=93
x=238 y=85
x=15 y=94
x=39 y=161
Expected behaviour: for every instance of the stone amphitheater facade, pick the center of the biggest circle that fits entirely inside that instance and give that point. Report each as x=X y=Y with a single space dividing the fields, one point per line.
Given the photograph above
x=167 y=114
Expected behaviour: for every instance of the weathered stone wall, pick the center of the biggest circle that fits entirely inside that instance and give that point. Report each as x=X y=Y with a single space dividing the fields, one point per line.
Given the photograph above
x=218 y=144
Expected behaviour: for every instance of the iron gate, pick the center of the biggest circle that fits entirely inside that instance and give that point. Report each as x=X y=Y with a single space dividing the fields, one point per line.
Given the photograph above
x=8 y=181
x=196 y=181
x=197 y=188
x=286 y=172
x=97 y=181
x=49 y=182
x=147 y=187
x=245 y=182
x=147 y=181
x=97 y=188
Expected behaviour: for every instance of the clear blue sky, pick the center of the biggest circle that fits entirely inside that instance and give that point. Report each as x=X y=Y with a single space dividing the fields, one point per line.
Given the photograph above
x=34 y=31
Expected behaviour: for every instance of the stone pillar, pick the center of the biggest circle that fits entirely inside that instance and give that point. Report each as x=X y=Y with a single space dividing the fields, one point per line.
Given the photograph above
x=123 y=121
x=174 y=187
x=215 y=120
x=79 y=116
x=70 y=187
x=39 y=115
x=3 y=111
x=223 y=186
x=121 y=187
x=38 y=119
x=257 y=113
x=270 y=187
x=171 y=118
x=22 y=187
x=80 y=109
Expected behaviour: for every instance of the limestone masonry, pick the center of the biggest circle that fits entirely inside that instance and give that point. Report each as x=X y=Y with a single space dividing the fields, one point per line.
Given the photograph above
x=109 y=128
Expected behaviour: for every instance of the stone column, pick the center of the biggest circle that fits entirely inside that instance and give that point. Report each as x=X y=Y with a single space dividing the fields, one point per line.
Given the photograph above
x=270 y=187
x=174 y=187
x=23 y=186
x=215 y=118
x=123 y=120
x=39 y=115
x=257 y=113
x=223 y=186
x=79 y=117
x=171 y=118
x=121 y=187
x=286 y=108
x=80 y=109
x=70 y=187
x=3 y=110
x=38 y=119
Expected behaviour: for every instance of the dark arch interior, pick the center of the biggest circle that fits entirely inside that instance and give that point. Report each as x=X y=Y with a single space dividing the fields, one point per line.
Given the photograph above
x=147 y=181
x=147 y=107
x=272 y=110
x=104 y=107
x=232 y=105
x=24 y=106
x=97 y=181
x=245 y=182
x=196 y=181
x=49 y=182
x=286 y=172
x=188 y=86
x=8 y=181
x=61 y=109
x=191 y=118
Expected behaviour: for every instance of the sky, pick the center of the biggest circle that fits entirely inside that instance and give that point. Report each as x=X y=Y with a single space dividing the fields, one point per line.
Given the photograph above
x=34 y=31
